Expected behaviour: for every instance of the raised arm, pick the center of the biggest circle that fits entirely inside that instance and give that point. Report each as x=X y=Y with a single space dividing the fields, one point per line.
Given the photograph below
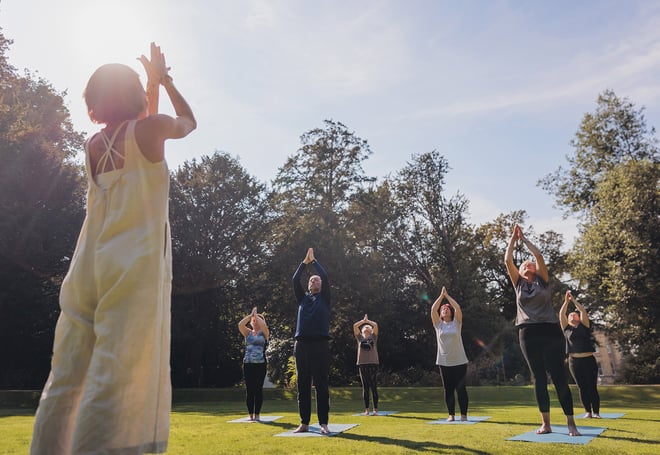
x=514 y=275
x=584 y=317
x=264 y=326
x=152 y=131
x=325 y=281
x=356 y=327
x=153 y=78
x=365 y=320
x=373 y=324
x=297 y=286
x=242 y=325
x=435 y=315
x=458 y=314
x=563 y=318
x=541 y=268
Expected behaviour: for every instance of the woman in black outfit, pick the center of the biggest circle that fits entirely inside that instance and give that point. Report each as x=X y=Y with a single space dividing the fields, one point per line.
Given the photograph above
x=541 y=339
x=581 y=360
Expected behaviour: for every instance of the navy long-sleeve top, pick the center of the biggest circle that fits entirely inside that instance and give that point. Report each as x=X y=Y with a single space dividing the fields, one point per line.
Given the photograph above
x=313 y=321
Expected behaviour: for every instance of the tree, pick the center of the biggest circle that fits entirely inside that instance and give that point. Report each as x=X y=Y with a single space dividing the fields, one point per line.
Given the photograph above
x=219 y=219
x=41 y=211
x=617 y=260
x=612 y=184
x=616 y=132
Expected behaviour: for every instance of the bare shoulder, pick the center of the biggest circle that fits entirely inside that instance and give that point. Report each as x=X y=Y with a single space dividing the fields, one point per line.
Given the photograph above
x=150 y=135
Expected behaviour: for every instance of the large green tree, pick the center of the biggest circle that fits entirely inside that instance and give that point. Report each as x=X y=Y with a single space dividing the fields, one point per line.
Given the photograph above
x=41 y=210
x=616 y=258
x=612 y=185
x=219 y=218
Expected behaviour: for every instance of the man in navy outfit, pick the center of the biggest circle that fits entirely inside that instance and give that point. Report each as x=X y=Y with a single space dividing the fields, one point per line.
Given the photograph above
x=311 y=348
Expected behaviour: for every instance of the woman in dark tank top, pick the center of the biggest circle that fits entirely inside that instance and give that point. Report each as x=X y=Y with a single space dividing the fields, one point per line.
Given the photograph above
x=581 y=360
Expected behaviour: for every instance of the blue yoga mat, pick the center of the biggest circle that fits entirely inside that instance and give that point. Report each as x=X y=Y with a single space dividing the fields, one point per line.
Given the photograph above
x=613 y=415
x=560 y=435
x=380 y=413
x=315 y=430
x=470 y=421
x=262 y=419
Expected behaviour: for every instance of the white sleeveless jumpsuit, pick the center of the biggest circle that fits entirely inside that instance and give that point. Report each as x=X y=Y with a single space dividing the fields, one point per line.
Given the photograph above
x=109 y=389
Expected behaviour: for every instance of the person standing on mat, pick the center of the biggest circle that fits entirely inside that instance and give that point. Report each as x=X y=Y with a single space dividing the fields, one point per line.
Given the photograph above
x=581 y=360
x=109 y=388
x=366 y=334
x=254 y=362
x=311 y=347
x=541 y=339
x=448 y=320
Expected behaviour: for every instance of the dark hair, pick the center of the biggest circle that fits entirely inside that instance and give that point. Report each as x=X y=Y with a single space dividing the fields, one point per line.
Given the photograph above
x=114 y=93
x=451 y=309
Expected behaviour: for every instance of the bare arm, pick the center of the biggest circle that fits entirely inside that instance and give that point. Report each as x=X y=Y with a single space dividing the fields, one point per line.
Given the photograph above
x=514 y=275
x=584 y=317
x=563 y=319
x=264 y=326
x=372 y=324
x=356 y=327
x=541 y=268
x=242 y=326
x=153 y=77
x=458 y=314
x=152 y=131
x=435 y=315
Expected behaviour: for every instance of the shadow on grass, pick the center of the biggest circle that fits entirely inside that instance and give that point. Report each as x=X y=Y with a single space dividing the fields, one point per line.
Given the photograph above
x=422 y=446
x=635 y=418
x=653 y=442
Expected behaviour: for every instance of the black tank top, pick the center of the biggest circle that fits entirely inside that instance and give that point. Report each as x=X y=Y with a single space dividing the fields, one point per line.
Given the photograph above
x=578 y=339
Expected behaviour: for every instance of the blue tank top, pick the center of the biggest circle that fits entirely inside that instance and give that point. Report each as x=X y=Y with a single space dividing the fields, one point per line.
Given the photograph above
x=255 y=348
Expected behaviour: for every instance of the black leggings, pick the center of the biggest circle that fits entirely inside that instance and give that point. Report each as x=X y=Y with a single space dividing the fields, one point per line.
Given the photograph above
x=454 y=379
x=312 y=364
x=254 y=373
x=544 y=348
x=585 y=373
x=369 y=378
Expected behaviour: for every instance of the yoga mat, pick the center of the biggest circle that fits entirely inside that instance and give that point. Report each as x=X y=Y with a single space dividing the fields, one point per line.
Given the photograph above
x=262 y=419
x=315 y=430
x=613 y=415
x=560 y=435
x=470 y=421
x=380 y=413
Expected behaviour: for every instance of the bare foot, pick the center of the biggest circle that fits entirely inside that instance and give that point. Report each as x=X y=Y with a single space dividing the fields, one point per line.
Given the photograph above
x=375 y=413
x=256 y=418
x=366 y=412
x=324 y=429
x=463 y=418
x=251 y=417
x=596 y=416
x=545 y=429
x=572 y=429
x=450 y=419
x=588 y=415
x=302 y=428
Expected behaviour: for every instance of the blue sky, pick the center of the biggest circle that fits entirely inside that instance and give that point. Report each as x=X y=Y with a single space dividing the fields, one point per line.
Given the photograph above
x=498 y=87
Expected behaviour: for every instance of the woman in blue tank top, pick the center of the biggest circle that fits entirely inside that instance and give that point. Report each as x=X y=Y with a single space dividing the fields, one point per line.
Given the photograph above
x=254 y=362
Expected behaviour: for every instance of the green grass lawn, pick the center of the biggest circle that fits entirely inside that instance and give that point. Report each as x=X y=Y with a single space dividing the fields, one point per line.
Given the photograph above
x=199 y=428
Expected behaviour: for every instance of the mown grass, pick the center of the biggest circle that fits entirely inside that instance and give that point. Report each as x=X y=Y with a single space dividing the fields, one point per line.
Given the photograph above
x=202 y=428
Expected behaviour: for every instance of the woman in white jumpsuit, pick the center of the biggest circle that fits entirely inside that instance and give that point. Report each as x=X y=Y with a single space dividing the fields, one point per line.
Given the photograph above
x=109 y=389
